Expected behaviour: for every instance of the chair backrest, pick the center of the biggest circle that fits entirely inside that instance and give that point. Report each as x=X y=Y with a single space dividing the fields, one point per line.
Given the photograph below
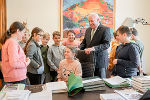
x=87 y=62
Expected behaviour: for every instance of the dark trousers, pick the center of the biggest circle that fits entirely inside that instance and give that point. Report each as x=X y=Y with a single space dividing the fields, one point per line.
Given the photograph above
x=53 y=75
x=101 y=72
x=17 y=82
x=34 y=79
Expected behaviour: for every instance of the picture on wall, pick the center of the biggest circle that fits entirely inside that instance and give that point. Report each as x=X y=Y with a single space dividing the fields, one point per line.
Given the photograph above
x=75 y=14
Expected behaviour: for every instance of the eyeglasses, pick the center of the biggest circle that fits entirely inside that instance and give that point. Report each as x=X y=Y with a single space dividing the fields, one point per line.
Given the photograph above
x=40 y=35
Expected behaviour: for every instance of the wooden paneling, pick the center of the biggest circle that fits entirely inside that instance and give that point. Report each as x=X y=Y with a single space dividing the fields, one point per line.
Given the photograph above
x=3 y=18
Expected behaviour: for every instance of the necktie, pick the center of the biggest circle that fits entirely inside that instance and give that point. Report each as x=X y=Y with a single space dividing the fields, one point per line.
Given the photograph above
x=92 y=33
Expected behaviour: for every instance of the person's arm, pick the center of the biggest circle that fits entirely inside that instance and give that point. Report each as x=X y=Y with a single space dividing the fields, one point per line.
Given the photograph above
x=106 y=41
x=14 y=59
x=133 y=56
x=31 y=49
x=59 y=72
x=112 y=57
x=49 y=59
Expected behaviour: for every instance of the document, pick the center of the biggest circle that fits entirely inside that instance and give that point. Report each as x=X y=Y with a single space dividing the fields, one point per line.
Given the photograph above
x=116 y=81
x=56 y=87
x=43 y=95
x=129 y=94
x=111 y=96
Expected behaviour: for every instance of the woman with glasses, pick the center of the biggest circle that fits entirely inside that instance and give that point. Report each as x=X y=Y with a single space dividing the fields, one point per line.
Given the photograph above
x=32 y=50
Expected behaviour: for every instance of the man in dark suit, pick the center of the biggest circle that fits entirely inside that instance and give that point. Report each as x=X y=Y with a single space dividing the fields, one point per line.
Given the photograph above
x=97 y=39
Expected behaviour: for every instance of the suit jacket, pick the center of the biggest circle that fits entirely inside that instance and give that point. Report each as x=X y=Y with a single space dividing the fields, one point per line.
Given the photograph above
x=101 y=42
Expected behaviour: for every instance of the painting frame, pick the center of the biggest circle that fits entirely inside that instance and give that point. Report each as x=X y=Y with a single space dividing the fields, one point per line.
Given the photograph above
x=62 y=15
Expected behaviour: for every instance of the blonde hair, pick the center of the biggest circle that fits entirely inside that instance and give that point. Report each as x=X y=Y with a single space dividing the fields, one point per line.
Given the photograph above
x=46 y=35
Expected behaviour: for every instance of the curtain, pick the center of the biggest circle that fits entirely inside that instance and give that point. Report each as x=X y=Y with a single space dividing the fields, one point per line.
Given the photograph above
x=3 y=18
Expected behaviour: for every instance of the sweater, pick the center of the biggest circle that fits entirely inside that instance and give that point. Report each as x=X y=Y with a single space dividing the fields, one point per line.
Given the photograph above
x=14 y=65
x=127 y=57
x=44 y=50
x=66 y=68
x=54 y=55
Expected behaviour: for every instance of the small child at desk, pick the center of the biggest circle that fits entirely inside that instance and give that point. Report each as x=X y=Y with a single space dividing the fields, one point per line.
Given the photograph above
x=68 y=65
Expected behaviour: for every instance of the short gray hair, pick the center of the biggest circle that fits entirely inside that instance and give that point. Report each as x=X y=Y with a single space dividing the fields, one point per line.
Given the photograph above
x=93 y=15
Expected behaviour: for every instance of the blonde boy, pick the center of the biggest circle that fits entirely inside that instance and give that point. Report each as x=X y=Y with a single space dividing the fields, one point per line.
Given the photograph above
x=44 y=49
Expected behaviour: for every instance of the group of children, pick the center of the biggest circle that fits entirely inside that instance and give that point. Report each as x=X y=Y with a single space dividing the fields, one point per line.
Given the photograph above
x=40 y=63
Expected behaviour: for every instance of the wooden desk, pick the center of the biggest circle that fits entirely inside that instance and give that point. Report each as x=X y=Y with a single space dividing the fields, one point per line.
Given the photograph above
x=94 y=95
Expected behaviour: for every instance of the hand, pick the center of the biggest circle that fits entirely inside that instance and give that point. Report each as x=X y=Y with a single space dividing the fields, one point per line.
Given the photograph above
x=88 y=50
x=57 y=69
x=140 y=71
x=28 y=61
x=78 y=48
x=111 y=76
x=115 y=61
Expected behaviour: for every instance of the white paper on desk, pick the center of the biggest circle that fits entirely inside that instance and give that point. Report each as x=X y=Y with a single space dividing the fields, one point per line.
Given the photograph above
x=117 y=80
x=56 y=87
x=43 y=95
x=91 y=80
x=17 y=95
x=129 y=94
x=111 y=96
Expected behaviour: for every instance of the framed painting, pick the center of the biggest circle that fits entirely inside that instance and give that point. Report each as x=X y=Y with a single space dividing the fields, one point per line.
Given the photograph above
x=74 y=14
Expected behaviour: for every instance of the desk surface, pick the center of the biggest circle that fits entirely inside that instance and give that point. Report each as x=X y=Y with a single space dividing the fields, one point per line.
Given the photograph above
x=93 y=95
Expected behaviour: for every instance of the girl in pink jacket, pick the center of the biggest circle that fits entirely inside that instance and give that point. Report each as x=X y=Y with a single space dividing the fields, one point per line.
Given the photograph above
x=14 y=61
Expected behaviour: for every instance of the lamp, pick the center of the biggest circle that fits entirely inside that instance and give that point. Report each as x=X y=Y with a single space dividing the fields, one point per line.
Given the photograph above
x=131 y=22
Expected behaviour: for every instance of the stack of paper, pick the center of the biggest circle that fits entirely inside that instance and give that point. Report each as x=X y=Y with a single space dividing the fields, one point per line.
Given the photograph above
x=43 y=95
x=141 y=83
x=14 y=92
x=111 y=96
x=126 y=94
x=16 y=95
x=93 y=83
x=13 y=87
x=56 y=87
x=116 y=81
x=129 y=94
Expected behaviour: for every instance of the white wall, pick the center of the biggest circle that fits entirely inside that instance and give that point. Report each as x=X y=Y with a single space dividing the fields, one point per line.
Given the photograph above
x=41 y=13
x=136 y=9
x=45 y=14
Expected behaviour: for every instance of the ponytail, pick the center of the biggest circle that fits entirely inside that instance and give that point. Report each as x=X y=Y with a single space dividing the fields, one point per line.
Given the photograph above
x=13 y=29
x=25 y=48
x=5 y=36
x=35 y=30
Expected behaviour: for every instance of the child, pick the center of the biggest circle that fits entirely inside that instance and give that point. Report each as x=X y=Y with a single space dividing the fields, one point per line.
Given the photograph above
x=69 y=64
x=126 y=56
x=55 y=55
x=44 y=49
x=14 y=61
x=32 y=50
x=71 y=39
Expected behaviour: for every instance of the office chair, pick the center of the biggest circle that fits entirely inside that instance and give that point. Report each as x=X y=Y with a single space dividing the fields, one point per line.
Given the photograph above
x=87 y=63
